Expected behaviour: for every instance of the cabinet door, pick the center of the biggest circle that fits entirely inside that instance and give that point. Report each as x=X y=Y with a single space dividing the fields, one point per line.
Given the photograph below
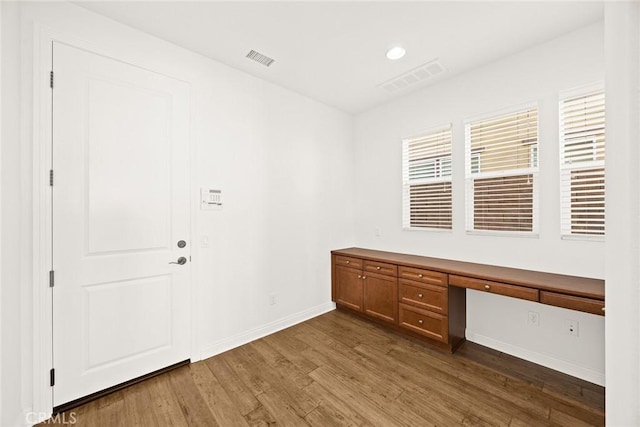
x=349 y=287
x=381 y=297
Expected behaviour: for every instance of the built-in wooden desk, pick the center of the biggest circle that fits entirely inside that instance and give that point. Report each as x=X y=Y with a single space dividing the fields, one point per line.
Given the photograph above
x=425 y=297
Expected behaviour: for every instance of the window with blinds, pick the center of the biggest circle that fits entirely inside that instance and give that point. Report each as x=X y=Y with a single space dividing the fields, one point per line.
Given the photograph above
x=582 y=147
x=501 y=156
x=426 y=178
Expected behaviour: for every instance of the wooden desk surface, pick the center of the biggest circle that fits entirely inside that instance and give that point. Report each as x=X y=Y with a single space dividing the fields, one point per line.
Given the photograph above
x=571 y=285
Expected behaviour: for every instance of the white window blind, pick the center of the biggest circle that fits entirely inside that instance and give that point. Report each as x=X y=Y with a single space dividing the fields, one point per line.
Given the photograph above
x=501 y=156
x=426 y=177
x=582 y=147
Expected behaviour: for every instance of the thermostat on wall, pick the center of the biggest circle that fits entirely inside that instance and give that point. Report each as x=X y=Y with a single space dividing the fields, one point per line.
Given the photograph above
x=211 y=200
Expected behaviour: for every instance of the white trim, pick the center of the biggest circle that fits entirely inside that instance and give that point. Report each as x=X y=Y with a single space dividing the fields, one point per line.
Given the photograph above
x=428 y=229
x=262 y=331
x=1 y=382
x=581 y=90
x=42 y=297
x=583 y=237
x=497 y=233
x=501 y=112
x=431 y=129
x=538 y=358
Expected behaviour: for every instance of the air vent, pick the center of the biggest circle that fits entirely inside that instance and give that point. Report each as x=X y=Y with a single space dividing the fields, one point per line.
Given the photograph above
x=423 y=72
x=260 y=58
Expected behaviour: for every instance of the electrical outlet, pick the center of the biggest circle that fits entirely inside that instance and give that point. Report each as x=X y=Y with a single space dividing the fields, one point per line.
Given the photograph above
x=571 y=327
x=273 y=300
x=534 y=318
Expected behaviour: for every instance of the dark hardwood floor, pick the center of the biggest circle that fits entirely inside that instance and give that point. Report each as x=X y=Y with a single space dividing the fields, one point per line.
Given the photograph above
x=337 y=370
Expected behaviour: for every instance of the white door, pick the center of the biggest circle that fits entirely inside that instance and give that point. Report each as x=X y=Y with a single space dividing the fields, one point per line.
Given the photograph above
x=120 y=207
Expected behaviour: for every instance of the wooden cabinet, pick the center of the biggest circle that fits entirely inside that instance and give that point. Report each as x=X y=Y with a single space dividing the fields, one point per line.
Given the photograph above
x=366 y=287
x=409 y=299
x=426 y=297
x=514 y=291
x=380 y=296
x=423 y=300
x=424 y=322
x=348 y=287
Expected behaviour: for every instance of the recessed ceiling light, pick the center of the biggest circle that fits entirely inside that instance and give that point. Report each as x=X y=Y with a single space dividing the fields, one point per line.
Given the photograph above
x=395 y=52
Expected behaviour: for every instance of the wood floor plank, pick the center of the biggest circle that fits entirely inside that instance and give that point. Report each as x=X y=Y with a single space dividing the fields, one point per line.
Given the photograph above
x=445 y=388
x=378 y=412
x=136 y=405
x=564 y=419
x=325 y=352
x=339 y=370
x=164 y=402
x=280 y=364
x=239 y=394
x=216 y=398
x=260 y=417
x=287 y=344
x=333 y=403
x=194 y=408
x=481 y=388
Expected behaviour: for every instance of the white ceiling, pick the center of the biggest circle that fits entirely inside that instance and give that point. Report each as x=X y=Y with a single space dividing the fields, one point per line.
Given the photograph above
x=334 y=52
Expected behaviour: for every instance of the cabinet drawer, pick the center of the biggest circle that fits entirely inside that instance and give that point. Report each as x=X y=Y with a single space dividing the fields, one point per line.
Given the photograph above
x=424 y=276
x=423 y=322
x=572 y=302
x=346 y=261
x=421 y=295
x=381 y=268
x=494 y=287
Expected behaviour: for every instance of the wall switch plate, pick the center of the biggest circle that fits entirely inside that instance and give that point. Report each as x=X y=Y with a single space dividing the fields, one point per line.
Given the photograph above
x=273 y=299
x=204 y=241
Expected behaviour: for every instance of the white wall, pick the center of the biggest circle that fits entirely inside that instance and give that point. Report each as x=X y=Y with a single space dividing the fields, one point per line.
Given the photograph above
x=282 y=160
x=536 y=74
x=11 y=241
x=622 y=43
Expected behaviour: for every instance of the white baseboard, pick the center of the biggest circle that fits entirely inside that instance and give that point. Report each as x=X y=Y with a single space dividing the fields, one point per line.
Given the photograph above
x=251 y=335
x=539 y=358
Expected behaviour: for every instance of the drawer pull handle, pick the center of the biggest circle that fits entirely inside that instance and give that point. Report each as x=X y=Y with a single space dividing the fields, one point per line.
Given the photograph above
x=359 y=276
x=420 y=275
x=420 y=295
x=377 y=268
x=364 y=277
x=487 y=287
x=347 y=261
x=603 y=309
x=421 y=321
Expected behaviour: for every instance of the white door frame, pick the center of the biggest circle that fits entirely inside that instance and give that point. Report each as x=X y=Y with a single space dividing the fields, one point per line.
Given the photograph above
x=43 y=37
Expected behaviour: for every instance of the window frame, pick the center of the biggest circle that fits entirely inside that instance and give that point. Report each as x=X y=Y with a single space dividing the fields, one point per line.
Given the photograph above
x=439 y=177
x=569 y=167
x=470 y=153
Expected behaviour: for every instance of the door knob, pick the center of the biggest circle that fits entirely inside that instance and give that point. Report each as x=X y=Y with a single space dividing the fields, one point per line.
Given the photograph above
x=182 y=261
x=182 y=244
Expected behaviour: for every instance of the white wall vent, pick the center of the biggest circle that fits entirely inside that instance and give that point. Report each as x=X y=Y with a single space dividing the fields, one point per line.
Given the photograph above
x=418 y=74
x=260 y=58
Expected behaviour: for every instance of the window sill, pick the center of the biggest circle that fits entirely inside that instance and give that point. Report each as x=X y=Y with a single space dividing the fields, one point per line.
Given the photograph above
x=521 y=234
x=582 y=238
x=432 y=230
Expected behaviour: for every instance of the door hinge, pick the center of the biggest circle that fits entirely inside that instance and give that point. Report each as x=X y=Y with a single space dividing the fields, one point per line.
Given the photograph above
x=51 y=177
x=51 y=279
x=52 y=377
x=51 y=79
